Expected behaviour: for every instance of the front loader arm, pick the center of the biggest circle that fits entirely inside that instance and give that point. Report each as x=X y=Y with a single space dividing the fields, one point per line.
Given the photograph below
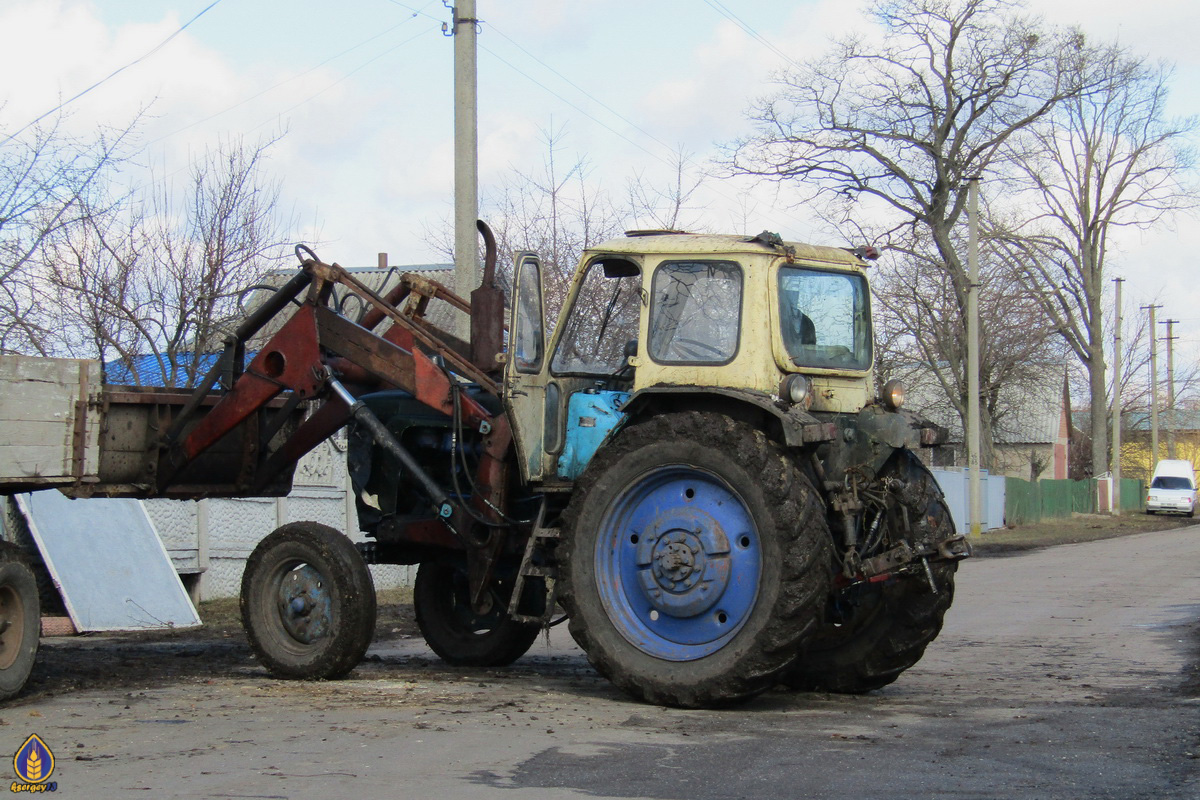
x=304 y=362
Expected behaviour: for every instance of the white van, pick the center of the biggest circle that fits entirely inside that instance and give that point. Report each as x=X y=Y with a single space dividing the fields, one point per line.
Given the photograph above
x=1173 y=488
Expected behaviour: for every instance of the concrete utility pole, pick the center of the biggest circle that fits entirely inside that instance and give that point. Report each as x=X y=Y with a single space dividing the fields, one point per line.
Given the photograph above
x=1153 y=388
x=1170 y=323
x=1115 y=461
x=466 y=155
x=973 y=438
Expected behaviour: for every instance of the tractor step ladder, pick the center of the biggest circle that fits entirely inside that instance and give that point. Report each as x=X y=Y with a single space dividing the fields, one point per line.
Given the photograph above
x=540 y=539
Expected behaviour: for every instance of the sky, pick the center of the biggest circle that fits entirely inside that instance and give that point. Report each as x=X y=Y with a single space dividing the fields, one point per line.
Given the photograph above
x=362 y=92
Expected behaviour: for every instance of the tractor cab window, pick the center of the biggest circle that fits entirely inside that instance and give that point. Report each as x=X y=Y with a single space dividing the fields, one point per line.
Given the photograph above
x=825 y=317
x=527 y=336
x=696 y=312
x=602 y=323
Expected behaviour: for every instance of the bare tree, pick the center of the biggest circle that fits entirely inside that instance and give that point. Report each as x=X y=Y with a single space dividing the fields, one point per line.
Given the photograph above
x=51 y=183
x=162 y=280
x=921 y=337
x=93 y=276
x=1103 y=160
x=891 y=125
x=666 y=207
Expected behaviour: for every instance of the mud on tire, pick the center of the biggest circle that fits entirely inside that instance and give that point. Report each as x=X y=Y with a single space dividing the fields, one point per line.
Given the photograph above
x=308 y=602
x=887 y=626
x=441 y=600
x=20 y=619
x=695 y=560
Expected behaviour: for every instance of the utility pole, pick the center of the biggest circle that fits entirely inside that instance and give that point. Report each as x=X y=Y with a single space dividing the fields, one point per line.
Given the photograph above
x=1170 y=323
x=1114 y=505
x=466 y=154
x=973 y=438
x=1153 y=389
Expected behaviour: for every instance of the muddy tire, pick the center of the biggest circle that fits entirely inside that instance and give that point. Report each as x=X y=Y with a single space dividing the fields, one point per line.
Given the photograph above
x=452 y=629
x=695 y=560
x=883 y=629
x=308 y=602
x=20 y=620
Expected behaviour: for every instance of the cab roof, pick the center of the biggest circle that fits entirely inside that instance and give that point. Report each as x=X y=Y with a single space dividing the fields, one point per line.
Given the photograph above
x=675 y=242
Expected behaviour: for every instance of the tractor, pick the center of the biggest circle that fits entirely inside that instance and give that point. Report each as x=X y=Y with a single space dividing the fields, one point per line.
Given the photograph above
x=695 y=465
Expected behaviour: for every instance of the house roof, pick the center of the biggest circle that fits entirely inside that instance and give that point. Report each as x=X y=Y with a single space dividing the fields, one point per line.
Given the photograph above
x=151 y=370
x=1184 y=420
x=1032 y=410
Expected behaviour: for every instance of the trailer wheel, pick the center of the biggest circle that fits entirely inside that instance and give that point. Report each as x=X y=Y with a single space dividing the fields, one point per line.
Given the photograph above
x=696 y=560
x=452 y=629
x=885 y=627
x=308 y=602
x=20 y=620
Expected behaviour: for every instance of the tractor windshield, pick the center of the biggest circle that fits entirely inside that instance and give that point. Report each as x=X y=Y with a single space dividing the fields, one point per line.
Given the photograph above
x=602 y=323
x=825 y=317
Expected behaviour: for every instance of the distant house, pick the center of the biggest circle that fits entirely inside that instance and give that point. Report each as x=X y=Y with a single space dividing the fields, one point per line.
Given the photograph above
x=1137 y=461
x=1031 y=438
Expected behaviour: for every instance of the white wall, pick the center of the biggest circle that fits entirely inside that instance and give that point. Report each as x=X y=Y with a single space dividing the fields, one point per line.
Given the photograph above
x=210 y=540
x=955 y=483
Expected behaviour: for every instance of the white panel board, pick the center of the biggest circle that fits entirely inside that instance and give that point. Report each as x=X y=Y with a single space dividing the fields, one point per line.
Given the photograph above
x=108 y=562
x=955 y=485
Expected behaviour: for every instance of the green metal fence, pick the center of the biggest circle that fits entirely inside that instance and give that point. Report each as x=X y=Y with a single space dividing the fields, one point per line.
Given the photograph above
x=1031 y=501
x=1133 y=495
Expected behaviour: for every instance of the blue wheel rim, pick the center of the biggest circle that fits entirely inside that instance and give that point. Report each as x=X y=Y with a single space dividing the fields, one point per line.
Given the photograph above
x=305 y=604
x=678 y=563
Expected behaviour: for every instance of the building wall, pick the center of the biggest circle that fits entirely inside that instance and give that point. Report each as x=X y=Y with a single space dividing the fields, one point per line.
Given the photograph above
x=210 y=540
x=1137 y=460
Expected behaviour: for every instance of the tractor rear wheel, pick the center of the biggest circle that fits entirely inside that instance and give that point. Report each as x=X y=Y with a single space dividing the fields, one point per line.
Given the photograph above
x=459 y=635
x=875 y=632
x=308 y=602
x=695 y=561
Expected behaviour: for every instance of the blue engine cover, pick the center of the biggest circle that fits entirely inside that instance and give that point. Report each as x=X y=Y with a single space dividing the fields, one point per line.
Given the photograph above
x=591 y=416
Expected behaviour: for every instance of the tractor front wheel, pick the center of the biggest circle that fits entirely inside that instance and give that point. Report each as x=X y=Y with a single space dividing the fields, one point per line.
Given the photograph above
x=308 y=602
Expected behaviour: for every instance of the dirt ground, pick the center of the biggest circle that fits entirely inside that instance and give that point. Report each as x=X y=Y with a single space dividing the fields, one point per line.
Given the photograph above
x=1066 y=671
x=219 y=646
x=1075 y=529
x=154 y=658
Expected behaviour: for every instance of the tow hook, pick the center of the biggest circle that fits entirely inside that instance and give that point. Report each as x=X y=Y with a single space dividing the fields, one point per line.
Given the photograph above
x=954 y=548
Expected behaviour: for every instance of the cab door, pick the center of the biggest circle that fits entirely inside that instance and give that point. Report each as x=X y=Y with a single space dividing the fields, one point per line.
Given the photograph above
x=526 y=367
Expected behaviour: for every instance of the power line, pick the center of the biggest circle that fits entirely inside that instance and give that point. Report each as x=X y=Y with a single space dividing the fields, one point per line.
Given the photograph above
x=308 y=99
x=295 y=77
x=606 y=126
x=360 y=67
x=577 y=88
x=115 y=72
x=720 y=8
x=583 y=111
x=417 y=11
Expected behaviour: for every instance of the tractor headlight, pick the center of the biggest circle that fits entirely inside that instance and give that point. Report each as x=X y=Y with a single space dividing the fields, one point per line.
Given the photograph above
x=797 y=390
x=893 y=394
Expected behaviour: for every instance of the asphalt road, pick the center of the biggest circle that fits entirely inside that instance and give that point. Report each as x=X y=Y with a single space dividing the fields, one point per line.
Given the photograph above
x=1063 y=673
